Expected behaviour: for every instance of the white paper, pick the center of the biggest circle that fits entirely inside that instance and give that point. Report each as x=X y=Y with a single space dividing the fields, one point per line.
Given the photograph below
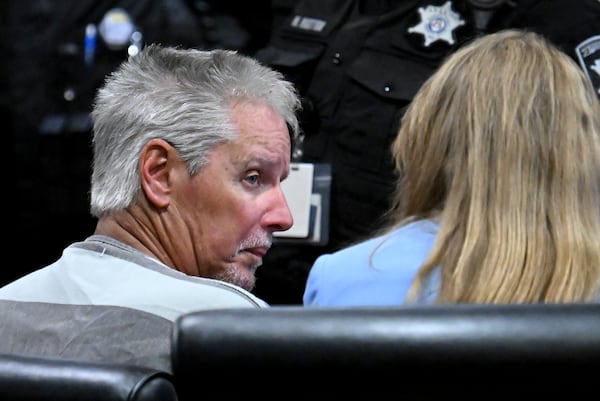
x=298 y=190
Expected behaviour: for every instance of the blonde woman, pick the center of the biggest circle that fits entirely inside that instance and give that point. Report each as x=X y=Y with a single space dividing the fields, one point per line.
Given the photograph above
x=498 y=197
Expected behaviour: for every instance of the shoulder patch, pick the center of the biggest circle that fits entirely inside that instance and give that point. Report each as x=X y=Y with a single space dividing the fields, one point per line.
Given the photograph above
x=588 y=53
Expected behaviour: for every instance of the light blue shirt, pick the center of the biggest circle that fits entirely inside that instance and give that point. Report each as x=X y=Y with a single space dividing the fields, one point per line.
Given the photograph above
x=349 y=278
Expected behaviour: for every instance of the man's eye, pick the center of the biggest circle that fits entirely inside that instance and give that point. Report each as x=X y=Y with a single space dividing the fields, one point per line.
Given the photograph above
x=252 y=179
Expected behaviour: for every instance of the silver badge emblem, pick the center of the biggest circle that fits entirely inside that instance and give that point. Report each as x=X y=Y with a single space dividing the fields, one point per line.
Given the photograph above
x=437 y=23
x=588 y=53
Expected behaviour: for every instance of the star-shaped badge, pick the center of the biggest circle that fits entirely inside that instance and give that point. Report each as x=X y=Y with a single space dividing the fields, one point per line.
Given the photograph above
x=437 y=23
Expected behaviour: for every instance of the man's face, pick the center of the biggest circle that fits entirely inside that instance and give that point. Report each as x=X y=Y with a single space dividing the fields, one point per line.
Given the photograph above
x=234 y=204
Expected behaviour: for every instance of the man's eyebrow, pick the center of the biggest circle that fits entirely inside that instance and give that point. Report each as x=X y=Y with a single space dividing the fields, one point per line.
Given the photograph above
x=263 y=162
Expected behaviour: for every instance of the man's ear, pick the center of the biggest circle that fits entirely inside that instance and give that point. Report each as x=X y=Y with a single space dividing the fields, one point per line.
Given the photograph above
x=157 y=161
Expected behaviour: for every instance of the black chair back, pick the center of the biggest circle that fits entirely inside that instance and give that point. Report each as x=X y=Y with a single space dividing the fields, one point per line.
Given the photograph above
x=416 y=352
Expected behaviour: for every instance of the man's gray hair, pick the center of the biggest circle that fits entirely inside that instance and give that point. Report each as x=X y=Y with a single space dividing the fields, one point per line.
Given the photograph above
x=183 y=96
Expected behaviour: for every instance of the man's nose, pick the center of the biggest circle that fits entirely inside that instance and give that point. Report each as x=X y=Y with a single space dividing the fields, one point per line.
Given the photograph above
x=279 y=216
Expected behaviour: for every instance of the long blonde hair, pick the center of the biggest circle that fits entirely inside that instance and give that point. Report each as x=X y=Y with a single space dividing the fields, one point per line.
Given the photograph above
x=502 y=146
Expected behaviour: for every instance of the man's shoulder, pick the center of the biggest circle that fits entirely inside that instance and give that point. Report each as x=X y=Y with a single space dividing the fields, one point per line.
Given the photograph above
x=109 y=275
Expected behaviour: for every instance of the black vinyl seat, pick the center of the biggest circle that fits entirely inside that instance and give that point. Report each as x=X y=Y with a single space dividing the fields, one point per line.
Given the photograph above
x=477 y=352
x=30 y=378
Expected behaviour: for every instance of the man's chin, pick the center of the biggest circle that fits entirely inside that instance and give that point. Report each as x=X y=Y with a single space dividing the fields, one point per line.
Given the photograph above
x=241 y=275
x=248 y=284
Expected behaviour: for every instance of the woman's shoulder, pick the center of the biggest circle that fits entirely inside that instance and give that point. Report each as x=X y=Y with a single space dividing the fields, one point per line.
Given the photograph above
x=415 y=237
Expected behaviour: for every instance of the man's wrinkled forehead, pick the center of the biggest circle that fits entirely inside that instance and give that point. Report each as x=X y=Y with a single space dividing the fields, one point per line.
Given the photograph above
x=259 y=149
